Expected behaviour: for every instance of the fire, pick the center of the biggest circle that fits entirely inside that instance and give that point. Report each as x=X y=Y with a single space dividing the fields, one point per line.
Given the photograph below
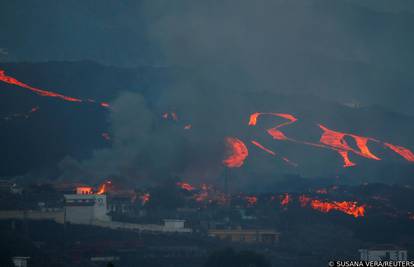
x=186 y=186
x=348 y=207
x=103 y=188
x=145 y=198
x=41 y=92
x=285 y=200
x=238 y=152
x=84 y=190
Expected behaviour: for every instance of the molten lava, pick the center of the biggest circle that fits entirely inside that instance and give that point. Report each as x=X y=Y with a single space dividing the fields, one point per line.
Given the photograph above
x=238 y=152
x=336 y=141
x=348 y=207
x=285 y=199
x=402 y=151
x=274 y=132
x=263 y=148
x=41 y=92
x=330 y=139
x=186 y=186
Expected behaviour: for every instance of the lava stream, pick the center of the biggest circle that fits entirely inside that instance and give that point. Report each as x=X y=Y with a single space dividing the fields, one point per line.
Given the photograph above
x=263 y=148
x=336 y=139
x=238 y=152
x=348 y=207
x=402 y=151
x=10 y=80
x=285 y=200
x=274 y=132
x=186 y=186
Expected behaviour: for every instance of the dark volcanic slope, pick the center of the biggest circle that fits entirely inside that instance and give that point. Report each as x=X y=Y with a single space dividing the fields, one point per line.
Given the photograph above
x=60 y=128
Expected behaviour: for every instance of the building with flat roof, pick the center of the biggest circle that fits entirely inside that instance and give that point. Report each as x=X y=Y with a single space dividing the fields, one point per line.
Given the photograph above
x=85 y=208
x=383 y=253
x=246 y=235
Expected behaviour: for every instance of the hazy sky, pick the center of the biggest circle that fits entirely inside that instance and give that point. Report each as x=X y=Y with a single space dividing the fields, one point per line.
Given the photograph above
x=346 y=50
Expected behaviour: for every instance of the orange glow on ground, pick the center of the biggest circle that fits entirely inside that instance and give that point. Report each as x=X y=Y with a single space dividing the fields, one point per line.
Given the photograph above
x=238 y=152
x=348 y=207
x=285 y=199
x=186 y=186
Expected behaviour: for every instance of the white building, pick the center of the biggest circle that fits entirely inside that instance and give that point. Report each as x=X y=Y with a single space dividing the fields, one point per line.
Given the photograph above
x=172 y=224
x=384 y=252
x=85 y=208
x=20 y=261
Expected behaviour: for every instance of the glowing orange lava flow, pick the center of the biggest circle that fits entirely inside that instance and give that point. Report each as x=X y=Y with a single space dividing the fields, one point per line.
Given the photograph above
x=285 y=200
x=402 y=151
x=13 y=81
x=263 y=148
x=238 y=152
x=348 y=207
x=345 y=157
x=330 y=139
x=274 y=132
x=186 y=186
x=336 y=140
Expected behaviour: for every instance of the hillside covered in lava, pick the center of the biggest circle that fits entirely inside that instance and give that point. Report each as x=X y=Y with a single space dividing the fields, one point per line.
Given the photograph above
x=86 y=121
